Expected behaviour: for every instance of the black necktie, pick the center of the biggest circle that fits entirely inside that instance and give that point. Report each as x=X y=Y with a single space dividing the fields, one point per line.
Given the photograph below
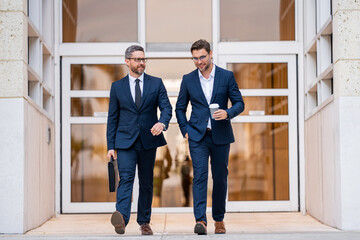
x=137 y=93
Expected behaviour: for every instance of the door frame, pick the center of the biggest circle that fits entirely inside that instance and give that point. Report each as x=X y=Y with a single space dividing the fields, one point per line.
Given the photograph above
x=291 y=92
x=232 y=206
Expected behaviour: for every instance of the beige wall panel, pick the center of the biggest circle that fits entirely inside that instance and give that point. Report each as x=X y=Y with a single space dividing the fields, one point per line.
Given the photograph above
x=313 y=181
x=40 y=169
x=328 y=124
x=32 y=202
x=47 y=171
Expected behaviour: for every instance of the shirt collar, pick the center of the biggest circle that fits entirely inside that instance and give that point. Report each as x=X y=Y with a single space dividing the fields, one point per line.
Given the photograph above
x=132 y=79
x=212 y=74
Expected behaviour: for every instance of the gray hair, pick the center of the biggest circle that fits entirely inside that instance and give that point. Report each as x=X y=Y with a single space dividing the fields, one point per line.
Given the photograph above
x=131 y=49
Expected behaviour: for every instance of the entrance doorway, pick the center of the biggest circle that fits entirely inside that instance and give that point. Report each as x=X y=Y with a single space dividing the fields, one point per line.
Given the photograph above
x=263 y=160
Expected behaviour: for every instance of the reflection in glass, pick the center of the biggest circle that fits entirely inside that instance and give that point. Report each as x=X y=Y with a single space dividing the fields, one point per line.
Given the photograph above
x=257 y=20
x=259 y=162
x=273 y=105
x=100 y=21
x=89 y=179
x=89 y=107
x=173 y=172
x=96 y=76
x=260 y=75
x=182 y=22
x=170 y=70
x=171 y=76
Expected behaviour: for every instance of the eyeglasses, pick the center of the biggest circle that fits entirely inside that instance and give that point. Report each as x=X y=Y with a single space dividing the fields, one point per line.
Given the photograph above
x=202 y=58
x=138 y=60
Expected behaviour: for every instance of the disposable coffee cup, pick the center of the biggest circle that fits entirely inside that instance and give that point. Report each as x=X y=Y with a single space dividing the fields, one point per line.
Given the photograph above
x=213 y=108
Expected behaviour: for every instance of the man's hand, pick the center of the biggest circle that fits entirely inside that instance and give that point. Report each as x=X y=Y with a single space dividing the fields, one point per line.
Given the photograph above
x=220 y=115
x=157 y=129
x=111 y=153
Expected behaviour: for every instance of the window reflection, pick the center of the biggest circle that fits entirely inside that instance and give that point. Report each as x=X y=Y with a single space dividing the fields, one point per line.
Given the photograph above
x=181 y=22
x=171 y=70
x=173 y=173
x=96 y=76
x=257 y=20
x=89 y=107
x=259 y=166
x=89 y=178
x=260 y=75
x=272 y=105
x=100 y=21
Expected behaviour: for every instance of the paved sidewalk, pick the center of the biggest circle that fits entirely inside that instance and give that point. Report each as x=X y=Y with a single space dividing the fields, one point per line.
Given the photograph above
x=273 y=226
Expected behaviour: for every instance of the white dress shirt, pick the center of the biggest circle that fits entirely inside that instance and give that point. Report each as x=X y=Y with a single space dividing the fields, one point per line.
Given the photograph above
x=132 y=84
x=207 y=86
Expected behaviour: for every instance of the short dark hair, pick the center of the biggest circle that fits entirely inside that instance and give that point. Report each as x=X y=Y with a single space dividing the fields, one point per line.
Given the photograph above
x=131 y=49
x=201 y=44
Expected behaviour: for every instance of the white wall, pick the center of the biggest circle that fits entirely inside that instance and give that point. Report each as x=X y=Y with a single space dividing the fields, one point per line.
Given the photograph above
x=12 y=137
x=348 y=162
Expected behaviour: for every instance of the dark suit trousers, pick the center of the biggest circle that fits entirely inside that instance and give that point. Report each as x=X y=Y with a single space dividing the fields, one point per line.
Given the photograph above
x=219 y=158
x=127 y=160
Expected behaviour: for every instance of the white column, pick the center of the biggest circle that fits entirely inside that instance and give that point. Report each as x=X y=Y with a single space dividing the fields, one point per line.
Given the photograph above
x=13 y=82
x=346 y=57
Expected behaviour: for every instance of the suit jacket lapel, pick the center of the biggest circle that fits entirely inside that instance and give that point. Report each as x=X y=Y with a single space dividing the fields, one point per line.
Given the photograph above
x=126 y=88
x=146 y=87
x=216 y=83
x=198 y=86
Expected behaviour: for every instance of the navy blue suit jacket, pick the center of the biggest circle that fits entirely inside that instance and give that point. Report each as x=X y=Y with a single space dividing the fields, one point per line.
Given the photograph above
x=126 y=122
x=225 y=88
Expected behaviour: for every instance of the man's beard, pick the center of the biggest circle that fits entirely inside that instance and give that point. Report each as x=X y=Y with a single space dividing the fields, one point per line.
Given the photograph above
x=137 y=70
x=207 y=65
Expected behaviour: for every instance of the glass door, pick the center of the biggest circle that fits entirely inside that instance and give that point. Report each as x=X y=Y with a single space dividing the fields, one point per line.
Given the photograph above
x=263 y=159
x=86 y=82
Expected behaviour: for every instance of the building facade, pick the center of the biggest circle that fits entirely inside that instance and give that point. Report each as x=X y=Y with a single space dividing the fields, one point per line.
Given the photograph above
x=297 y=64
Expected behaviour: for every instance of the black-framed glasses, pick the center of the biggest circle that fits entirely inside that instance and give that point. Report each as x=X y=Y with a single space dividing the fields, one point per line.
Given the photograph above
x=202 y=58
x=138 y=60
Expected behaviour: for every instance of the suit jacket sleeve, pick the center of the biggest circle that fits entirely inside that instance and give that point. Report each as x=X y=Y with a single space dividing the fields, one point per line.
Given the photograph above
x=181 y=106
x=235 y=98
x=113 y=118
x=164 y=106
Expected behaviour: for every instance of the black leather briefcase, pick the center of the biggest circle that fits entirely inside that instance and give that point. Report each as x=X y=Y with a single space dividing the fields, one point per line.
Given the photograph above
x=113 y=175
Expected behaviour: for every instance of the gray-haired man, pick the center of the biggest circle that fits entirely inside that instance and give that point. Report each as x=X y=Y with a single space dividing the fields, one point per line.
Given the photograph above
x=134 y=131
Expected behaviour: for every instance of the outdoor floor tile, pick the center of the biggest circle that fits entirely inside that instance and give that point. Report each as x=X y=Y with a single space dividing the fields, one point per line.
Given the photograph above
x=173 y=224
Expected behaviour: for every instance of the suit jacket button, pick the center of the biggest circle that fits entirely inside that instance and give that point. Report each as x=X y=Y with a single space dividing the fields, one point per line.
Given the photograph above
x=206 y=120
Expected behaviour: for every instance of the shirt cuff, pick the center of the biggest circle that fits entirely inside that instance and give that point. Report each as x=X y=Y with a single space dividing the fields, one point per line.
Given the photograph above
x=164 y=126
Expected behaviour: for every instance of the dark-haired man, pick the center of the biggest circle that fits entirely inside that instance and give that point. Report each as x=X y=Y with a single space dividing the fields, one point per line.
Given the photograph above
x=208 y=137
x=134 y=130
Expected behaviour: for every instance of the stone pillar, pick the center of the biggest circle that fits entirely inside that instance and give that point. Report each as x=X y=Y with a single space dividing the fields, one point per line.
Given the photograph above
x=346 y=59
x=13 y=82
